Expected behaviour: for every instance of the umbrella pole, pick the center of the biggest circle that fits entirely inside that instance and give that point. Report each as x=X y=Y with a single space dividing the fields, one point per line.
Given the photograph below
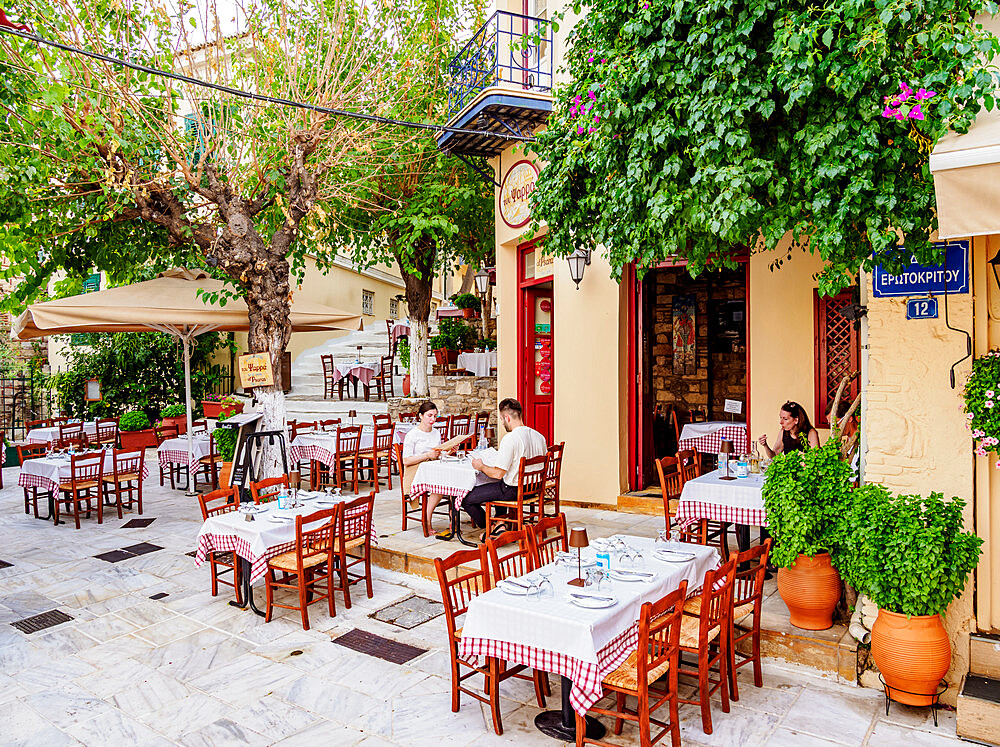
x=186 y=341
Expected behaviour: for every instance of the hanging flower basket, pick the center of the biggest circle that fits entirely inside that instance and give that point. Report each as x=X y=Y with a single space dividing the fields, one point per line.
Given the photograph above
x=982 y=402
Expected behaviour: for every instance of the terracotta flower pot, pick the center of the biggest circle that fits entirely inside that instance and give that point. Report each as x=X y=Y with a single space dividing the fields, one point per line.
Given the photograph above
x=227 y=467
x=406 y=385
x=913 y=654
x=143 y=439
x=810 y=589
x=214 y=409
x=181 y=422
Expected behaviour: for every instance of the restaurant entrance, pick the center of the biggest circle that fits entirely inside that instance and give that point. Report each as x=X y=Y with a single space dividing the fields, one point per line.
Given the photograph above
x=688 y=355
x=535 y=374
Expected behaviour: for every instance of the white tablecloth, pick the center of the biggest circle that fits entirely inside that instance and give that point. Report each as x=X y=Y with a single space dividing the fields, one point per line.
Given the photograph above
x=562 y=638
x=706 y=437
x=256 y=541
x=738 y=501
x=451 y=477
x=175 y=451
x=478 y=363
x=47 y=435
x=48 y=472
x=323 y=446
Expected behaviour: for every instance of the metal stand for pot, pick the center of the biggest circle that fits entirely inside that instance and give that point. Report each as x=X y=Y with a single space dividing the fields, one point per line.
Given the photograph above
x=935 y=702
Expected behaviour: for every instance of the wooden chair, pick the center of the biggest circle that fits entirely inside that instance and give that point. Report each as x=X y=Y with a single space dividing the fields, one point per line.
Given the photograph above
x=329 y=370
x=443 y=426
x=24 y=453
x=510 y=554
x=482 y=422
x=392 y=343
x=548 y=537
x=697 y=416
x=525 y=509
x=553 y=478
x=346 y=459
x=668 y=469
x=107 y=432
x=59 y=419
x=690 y=460
x=707 y=637
x=32 y=424
x=209 y=466
x=173 y=470
x=461 y=425
x=329 y=426
x=408 y=417
x=379 y=455
x=71 y=434
x=676 y=423
x=309 y=568
x=267 y=490
x=84 y=486
x=447 y=368
x=383 y=380
x=125 y=480
x=222 y=562
x=199 y=426
x=462 y=577
x=421 y=508
x=353 y=545
x=654 y=660
x=709 y=532
x=382 y=419
x=302 y=426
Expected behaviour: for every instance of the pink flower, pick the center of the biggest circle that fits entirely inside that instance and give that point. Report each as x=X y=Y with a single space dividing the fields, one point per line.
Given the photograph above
x=579 y=130
x=591 y=130
x=888 y=112
x=590 y=59
x=990 y=394
x=576 y=99
x=906 y=91
x=988 y=404
x=592 y=95
x=572 y=111
x=603 y=60
x=923 y=93
x=970 y=416
x=597 y=119
x=915 y=112
x=898 y=115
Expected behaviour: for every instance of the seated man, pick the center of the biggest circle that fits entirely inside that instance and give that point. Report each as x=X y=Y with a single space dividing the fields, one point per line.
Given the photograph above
x=520 y=441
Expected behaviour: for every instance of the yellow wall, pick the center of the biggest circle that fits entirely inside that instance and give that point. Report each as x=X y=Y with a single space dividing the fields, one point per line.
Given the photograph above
x=917 y=438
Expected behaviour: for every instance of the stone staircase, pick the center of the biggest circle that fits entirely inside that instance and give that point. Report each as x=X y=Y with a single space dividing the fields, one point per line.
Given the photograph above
x=305 y=401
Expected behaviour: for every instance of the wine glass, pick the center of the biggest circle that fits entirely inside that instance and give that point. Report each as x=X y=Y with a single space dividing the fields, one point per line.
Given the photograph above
x=545 y=588
x=661 y=540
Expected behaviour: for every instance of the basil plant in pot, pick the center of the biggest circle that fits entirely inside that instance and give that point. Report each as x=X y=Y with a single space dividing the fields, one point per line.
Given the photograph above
x=911 y=556
x=175 y=414
x=804 y=492
x=403 y=348
x=225 y=447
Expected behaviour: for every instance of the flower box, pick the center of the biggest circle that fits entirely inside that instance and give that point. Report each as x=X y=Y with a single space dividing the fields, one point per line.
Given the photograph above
x=180 y=421
x=214 y=409
x=143 y=439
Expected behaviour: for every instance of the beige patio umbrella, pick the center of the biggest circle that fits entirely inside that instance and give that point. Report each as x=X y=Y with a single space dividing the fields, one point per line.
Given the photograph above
x=172 y=303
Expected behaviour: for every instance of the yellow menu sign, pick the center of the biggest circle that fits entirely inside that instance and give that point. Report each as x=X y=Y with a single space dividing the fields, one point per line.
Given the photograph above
x=255 y=370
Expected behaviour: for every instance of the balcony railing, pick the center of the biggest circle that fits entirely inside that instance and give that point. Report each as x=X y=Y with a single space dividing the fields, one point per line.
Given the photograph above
x=510 y=50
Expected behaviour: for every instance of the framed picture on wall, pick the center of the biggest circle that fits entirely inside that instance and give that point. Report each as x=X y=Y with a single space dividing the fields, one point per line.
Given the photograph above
x=684 y=334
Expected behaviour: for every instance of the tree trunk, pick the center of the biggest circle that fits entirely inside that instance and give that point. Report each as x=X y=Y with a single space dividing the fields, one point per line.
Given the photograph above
x=487 y=305
x=418 y=276
x=418 y=360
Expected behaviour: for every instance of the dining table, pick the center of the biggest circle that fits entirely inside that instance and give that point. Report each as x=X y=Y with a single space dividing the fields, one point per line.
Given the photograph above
x=739 y=501
x=51 y=433
x=707 y=437
x=321 y=446
x=270 y=532
x=478 y=364
x=452 y=476
x=579 y=633
x=399 y=329
x=175 y=451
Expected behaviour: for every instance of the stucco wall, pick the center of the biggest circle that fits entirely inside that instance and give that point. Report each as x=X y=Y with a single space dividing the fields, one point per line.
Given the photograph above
x=917 y=438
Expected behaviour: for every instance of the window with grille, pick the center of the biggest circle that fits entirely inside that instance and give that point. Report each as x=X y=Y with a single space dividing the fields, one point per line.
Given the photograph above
x=368 y=302
x=394 y=308
x=838 y=353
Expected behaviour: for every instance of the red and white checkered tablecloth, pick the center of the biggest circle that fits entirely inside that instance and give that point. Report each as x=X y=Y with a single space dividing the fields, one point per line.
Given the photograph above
x=48 y=473
x=363 y=372
x=454 y=478
x=51 y=433
x=175 y=451
x=707 y=437
x=323 y=446
x=738 y=501
x=400 y=329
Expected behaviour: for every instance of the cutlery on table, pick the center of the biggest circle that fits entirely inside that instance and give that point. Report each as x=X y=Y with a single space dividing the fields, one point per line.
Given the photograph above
x=641 y=574
x=592 y=596
x=516 y=583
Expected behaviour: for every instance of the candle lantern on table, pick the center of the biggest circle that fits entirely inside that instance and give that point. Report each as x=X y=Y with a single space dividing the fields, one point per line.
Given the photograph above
x=578 y=539
x=352 y=414
x=726 y=447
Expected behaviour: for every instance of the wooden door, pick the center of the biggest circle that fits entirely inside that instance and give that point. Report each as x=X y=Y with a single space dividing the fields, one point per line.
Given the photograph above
x=537 y=372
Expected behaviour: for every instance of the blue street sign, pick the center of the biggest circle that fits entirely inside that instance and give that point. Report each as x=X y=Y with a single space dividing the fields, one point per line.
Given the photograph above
x=951 y=276
x=922 y=308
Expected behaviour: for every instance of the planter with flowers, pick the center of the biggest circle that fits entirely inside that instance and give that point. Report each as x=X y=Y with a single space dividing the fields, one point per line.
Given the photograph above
x=134 y=431
x=214 y=405
x=982 y=403
x=175 y=414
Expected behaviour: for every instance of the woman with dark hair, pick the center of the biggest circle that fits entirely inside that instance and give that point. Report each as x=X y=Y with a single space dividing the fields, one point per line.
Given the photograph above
x=421 y=445
x=796 y=431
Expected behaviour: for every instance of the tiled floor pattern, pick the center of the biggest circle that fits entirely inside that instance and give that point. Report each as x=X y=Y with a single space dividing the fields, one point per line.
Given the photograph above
x=150 y=657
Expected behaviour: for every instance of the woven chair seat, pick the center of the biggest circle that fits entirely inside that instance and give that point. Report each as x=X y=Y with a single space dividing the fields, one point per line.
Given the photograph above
x=513 y=504
x=226 y=556
x=121 y=478
x=689 y=632
x=693 y=607
x=458 y=634
x=351 y=544
x=626 y=677
x=287 y=561
x=68 y=486
x=216 y=458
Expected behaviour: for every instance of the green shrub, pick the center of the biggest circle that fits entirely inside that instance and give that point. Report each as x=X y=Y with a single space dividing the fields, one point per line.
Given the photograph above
x=908 y=554
x=454 y=334
x=467 y=301
x=805 y=493
x=173 y=411
x=488 y=344
x=225 y=440
x=403 y=348
x=136 y=420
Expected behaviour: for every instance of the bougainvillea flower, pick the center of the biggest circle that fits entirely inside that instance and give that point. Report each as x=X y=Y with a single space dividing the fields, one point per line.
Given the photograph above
x=916 y=113
x=576 y=99
x=923 y=93
x=888 y=112
x=592 y=95
x=591 y=129
x=579 y=130
x=572 y=111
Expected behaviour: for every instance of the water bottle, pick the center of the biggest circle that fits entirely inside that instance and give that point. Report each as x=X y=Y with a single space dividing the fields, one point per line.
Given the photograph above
x=481 y=444
x=723 y=460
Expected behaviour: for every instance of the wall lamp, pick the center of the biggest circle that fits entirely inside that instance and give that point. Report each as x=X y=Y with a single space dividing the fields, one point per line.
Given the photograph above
x=578 y=262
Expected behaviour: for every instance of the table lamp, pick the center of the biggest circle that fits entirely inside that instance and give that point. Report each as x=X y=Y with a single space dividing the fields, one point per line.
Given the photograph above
x=352 y=414
x=726 y=447
x=359 y=354
x=578 y=539
x=294 y=479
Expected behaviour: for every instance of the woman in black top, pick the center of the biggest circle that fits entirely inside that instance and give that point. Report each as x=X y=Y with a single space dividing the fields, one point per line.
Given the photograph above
x=795 y=426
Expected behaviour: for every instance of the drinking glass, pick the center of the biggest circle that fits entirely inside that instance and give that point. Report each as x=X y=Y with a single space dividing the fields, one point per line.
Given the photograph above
x=661 y=539
x=545 y=588
x=329 y=493
x=638 y=559
x=533 y=589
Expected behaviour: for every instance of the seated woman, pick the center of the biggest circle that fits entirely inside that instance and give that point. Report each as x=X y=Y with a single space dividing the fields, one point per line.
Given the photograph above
x=421 y=445
x=796 y=431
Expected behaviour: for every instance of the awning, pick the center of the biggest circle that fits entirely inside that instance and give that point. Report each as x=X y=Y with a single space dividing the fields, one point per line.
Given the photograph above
x=966 y=170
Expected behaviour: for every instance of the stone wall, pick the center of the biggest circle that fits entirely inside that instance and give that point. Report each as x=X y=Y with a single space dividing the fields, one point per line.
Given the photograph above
x=454 y=395
x=720 y=361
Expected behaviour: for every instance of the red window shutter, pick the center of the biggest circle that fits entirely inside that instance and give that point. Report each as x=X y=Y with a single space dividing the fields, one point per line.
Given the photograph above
x=838 y=353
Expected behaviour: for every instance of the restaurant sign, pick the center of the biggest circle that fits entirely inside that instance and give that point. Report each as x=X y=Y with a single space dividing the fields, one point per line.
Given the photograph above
x=515 y=191
x=255 y=370
x=951 y=276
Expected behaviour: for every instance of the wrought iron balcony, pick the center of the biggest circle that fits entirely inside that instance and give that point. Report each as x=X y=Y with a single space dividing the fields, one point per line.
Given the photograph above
x=500 y=81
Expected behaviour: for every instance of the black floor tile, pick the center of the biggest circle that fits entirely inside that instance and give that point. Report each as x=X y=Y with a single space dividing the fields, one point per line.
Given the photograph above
x=142 y=548
x=42 y=621
x=114 y=556
x=137 y=523
x=379 y=647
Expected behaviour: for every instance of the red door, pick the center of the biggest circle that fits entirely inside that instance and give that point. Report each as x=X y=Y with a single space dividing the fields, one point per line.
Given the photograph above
x=536 y=368
x=641 y=398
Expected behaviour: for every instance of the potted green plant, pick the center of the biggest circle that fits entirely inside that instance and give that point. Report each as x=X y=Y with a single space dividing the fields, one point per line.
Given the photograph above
x=468 y=303
x=803 y=494
x=135 y=432
x=175 y=414
x=225 y=446
x=10 y=457
x=448 y=341
x=404 y=360
x=911 y=556
x=213 y=405
x=488 y=343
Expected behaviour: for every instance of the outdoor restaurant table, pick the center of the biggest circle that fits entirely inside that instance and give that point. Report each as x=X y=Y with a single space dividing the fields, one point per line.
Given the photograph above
x=50 y=434
x=322 y=445
x=363 y=372
x=582 y=645
x=452 y=477
x=738 y=501
x=449 y=311
x=478 y=363
x=255 y=542
x=707 y=437
x=175 y=451
x=399 y=329
x=49 y=472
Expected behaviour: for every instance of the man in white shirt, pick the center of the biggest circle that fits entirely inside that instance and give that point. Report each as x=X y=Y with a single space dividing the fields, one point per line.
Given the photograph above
x=520 y=441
